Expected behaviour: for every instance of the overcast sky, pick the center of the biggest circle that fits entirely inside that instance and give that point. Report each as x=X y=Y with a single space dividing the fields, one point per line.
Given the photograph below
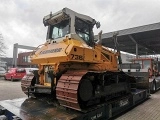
x=21 y=20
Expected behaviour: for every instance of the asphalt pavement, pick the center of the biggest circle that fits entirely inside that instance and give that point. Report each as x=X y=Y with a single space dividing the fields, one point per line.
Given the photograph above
x=10 y=90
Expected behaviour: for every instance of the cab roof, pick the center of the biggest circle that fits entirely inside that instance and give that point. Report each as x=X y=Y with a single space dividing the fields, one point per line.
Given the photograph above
x=63 y=14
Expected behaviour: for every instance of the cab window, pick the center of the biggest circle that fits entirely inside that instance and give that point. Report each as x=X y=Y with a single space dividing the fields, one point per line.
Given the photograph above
x=82 y=29
x=146 y=64
x=11 y=70
x=59 y=30
x=140 y=62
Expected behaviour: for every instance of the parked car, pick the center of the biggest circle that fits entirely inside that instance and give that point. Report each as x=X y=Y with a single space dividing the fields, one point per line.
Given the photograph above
x=2 y=72
x=15 y=74
x=30 y=70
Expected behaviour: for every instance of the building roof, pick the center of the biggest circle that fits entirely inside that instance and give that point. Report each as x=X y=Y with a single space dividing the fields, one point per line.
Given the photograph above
x=147 y=37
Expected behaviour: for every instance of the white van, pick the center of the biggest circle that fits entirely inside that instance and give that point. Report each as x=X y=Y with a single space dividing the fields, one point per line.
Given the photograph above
x=29 y=70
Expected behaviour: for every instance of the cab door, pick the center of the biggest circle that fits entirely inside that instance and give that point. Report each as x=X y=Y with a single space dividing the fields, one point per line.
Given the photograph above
x=47 y=78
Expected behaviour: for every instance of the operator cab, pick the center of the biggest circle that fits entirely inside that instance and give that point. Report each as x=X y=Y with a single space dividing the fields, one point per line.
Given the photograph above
x=72 y=24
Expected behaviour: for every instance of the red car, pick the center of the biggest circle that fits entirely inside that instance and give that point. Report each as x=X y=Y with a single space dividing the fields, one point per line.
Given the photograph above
x=15 y=74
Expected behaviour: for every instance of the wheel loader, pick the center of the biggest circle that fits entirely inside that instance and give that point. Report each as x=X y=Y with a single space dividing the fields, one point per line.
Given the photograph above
x=74 y=69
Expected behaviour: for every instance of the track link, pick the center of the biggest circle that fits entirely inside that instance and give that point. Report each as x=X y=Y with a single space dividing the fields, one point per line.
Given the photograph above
x=26 y=83
x=67 y=89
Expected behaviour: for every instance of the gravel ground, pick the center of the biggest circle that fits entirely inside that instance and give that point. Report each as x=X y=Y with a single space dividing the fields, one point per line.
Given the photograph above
x=10 y=90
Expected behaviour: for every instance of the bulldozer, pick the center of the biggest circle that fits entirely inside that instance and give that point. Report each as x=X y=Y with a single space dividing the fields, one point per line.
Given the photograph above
x=74 y=69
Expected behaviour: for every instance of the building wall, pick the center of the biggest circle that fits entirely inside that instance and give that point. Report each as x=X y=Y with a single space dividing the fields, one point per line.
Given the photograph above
x=6 y=62
x=2 y=64
x=23 y=60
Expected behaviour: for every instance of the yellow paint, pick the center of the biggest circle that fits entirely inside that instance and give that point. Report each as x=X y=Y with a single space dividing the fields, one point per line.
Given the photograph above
x=74 y=54
x=47 y=84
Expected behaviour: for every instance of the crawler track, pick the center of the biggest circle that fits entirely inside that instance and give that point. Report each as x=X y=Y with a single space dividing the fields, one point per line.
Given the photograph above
x=26 y=83
x=67 y=89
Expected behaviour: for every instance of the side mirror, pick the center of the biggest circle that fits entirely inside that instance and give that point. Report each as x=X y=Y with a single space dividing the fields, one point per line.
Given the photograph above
x=98 y=25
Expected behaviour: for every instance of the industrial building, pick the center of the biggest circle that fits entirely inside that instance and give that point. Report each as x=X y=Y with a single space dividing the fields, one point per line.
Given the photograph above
x=23 y=60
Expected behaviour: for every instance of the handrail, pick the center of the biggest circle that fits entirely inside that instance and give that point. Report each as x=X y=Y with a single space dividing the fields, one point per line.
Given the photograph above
x=33 y=52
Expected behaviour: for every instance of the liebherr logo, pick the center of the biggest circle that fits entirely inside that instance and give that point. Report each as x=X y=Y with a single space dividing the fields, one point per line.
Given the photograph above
x=51 y=51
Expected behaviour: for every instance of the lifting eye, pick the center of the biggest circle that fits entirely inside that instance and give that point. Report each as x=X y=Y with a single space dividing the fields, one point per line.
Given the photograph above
x=75 y=49
x=95 y=56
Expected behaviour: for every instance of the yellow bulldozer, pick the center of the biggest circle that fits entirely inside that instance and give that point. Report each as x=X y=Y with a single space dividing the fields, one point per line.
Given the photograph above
x=74 y=70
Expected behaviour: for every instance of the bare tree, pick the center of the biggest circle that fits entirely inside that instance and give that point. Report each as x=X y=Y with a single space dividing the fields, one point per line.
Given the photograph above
x=2 y=46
